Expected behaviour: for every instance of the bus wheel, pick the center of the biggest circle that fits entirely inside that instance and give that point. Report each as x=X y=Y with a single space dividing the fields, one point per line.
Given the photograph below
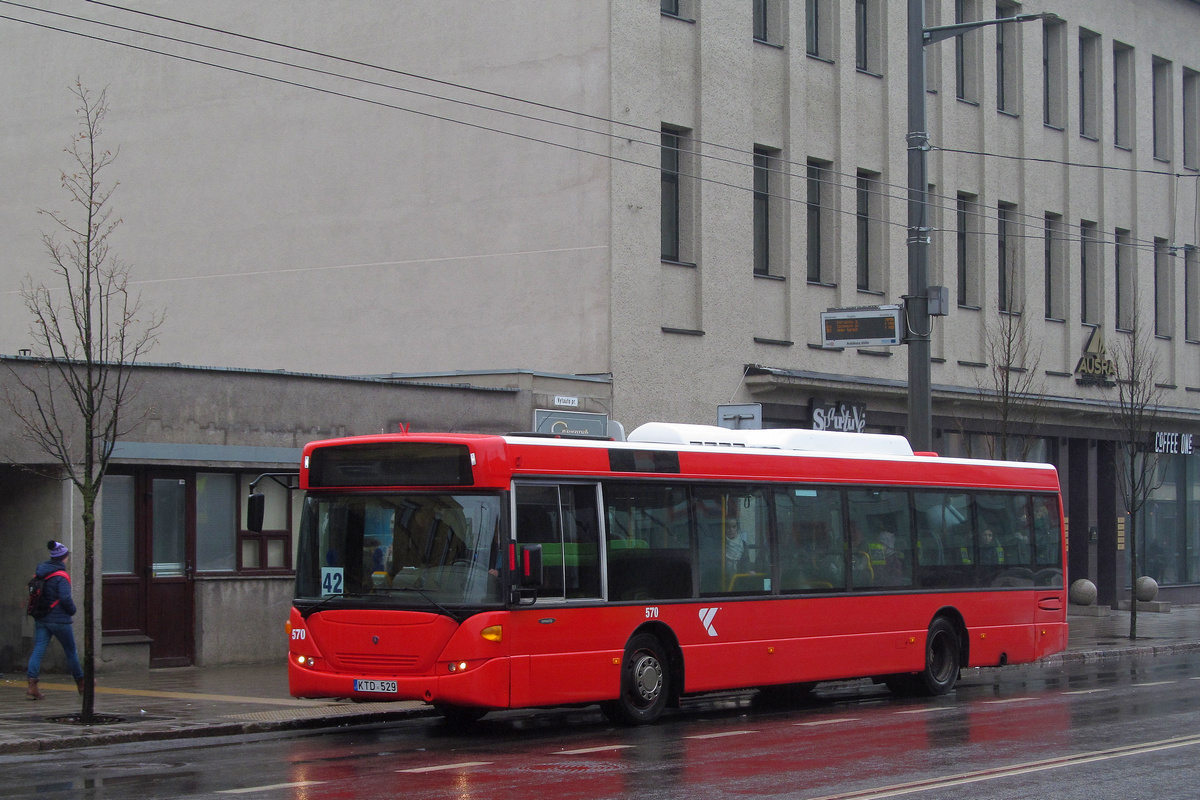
x=941 y=659
x=460 y=715
x=645 y=683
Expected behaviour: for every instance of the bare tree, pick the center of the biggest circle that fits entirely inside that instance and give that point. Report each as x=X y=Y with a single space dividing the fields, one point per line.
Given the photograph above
x=1012 y=388
x=1135 y=414
x=1010 y=391
x=87 y=329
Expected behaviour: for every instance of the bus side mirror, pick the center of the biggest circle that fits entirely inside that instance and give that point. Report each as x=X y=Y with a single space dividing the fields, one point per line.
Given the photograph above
x=529 y=566
x=256 y=507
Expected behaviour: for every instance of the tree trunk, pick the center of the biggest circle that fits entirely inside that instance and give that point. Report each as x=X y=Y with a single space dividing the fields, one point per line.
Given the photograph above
x=88 y=711
x=1131 y=544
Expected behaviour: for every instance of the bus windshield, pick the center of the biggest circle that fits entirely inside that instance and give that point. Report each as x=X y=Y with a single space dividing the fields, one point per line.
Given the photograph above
x=402 y=548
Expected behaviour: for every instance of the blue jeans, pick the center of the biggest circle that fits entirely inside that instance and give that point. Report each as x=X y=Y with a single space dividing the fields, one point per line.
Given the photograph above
x=41 y=640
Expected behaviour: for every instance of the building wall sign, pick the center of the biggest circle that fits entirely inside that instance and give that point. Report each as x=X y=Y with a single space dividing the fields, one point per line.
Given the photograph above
x=569 y=422
x=1173 y=443
x=1095 y=368
x=839 y=416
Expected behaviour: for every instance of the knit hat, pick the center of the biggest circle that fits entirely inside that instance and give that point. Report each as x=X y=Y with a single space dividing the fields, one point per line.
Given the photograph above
x=57 y=549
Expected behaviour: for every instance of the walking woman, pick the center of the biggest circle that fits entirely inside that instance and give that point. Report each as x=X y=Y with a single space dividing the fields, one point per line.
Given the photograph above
x=57 y=621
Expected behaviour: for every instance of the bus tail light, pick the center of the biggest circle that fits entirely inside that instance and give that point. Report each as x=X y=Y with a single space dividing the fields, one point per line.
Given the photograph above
x=493 y=633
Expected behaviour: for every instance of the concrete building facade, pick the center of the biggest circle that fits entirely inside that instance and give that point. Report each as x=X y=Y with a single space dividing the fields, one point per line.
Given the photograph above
x=667 y=195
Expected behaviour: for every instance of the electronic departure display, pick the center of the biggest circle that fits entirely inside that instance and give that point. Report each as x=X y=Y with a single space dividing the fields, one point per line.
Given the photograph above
x=862 y=327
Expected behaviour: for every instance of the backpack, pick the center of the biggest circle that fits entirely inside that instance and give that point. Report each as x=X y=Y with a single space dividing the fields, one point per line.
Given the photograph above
x=39 y=605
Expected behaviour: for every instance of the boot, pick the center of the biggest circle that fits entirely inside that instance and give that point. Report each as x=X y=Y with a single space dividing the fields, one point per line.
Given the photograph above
x=79 y=684
x=33 y=693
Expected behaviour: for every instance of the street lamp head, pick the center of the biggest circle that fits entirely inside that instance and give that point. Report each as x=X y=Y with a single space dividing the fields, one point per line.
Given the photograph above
x=1047 y=16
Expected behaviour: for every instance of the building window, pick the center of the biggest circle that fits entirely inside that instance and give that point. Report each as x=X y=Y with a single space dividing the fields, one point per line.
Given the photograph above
x=1164 y=290
x=216 y=521
x=768 y=21
x=1125 y=266
x=1008 y=50
x=1122 y=95
x=1191 y=119
x=867 y=216
x=1191 y=289
x=670 y=7
x=119 y=535
x=767 y=226
x=1053 y=71
x=269 y=550
x=677 y=202
x=1162 y=94
x=1089 y=84
x=1007 y=258
x=1054 y=254
x=965 y=63
x=819 y=192
x=860 y=34
x=967 y=236
x=818 y=33
x=868 y=22
x=1089 y=273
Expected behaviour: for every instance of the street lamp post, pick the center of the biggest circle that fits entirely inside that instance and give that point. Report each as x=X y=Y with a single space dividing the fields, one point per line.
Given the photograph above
x=920 y=399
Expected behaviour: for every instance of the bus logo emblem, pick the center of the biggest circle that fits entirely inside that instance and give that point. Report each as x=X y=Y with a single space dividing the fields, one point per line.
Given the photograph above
x=706 y=618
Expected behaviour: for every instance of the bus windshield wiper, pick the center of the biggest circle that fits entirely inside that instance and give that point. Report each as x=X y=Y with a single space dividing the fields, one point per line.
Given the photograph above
x=311 y=609
x=433 y=602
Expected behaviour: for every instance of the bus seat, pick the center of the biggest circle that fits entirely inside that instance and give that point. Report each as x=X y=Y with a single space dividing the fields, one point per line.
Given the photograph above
x=748 y=582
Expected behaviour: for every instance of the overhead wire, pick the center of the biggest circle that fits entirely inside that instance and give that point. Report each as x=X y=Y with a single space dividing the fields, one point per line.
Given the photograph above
x=879 y=188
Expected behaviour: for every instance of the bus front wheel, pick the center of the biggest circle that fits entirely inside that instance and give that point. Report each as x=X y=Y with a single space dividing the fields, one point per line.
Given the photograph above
x=942 y=655
x=645 y=683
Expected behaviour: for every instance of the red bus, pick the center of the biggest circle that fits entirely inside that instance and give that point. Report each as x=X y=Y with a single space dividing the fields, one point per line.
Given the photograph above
x=479 y=572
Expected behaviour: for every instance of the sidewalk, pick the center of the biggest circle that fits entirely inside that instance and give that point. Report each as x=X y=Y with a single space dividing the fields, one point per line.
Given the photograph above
x=221 y=701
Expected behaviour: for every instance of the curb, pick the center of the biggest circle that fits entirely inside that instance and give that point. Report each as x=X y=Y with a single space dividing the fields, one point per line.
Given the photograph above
x=205 y=730
x=1089 y=656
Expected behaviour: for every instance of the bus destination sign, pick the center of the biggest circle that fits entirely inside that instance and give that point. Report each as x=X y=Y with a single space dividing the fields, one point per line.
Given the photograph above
x=871 y=326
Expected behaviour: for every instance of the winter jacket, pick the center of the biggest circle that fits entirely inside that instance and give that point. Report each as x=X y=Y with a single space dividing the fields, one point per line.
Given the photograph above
x=57 y=589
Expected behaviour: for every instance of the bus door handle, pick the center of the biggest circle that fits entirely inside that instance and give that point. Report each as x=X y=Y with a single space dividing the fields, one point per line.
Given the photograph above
x=1050 y=604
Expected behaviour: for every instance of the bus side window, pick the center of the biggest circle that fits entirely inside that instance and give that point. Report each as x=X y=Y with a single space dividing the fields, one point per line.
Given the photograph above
x=649 y=550
x=945 y=540
x=809 y=521
x=1003 y=540
x=883 y=554
x=581 y=540
x=538 y=523
x=731 y=527
x=1047 y=542
x=565 y=521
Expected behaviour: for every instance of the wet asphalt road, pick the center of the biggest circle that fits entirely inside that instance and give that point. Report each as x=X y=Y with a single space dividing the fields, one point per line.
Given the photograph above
x=1121 y=729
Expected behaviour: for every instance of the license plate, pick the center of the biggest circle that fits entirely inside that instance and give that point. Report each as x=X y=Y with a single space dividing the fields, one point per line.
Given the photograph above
x=385 y=687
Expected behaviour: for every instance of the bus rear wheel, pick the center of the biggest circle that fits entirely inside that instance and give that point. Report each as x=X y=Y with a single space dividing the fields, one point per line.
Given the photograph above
x=942 y=657
x=645 y=683
x=942 y=662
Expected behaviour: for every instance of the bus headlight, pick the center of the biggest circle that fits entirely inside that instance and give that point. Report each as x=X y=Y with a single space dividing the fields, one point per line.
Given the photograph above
x=457 y=666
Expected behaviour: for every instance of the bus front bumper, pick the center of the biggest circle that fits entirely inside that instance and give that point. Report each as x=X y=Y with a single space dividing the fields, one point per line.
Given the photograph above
x=484 y=684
